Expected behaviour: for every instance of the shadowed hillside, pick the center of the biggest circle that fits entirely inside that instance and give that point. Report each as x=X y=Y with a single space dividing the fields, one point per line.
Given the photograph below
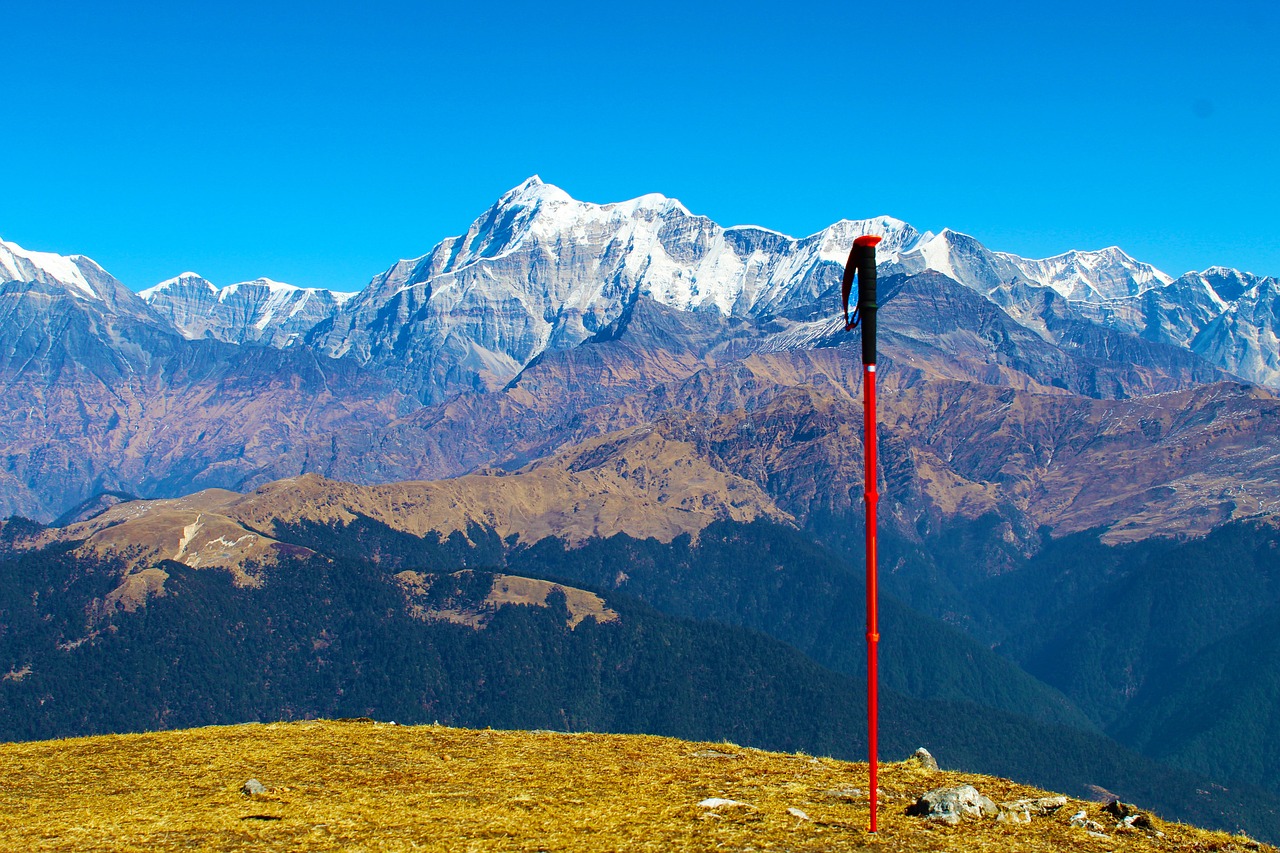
x=430 y=629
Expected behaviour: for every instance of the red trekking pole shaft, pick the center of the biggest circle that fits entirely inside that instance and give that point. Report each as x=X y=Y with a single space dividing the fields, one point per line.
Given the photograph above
x=862 y=262
x=873 y=623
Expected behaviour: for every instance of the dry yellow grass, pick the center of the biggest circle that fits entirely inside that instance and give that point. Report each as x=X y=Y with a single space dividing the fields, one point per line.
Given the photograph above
x=371 y=786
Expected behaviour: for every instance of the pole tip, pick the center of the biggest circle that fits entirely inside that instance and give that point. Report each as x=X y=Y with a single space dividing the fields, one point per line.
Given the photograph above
x=867 y=240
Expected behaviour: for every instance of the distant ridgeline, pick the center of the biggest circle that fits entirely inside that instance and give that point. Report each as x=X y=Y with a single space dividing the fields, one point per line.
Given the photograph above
x=751 y=634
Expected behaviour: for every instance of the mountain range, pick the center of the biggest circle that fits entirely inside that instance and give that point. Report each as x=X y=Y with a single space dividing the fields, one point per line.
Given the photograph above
x=661 y=417
x=547 y=309
x=542 y=271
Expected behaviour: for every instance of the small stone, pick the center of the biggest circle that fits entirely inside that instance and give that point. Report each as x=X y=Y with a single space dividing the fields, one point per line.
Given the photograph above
x=924 y=758
x=253 y=788
x=1036 y=806
x=1046 y=805
x=722 y=803
x=1081 y=820
x=795 y=812
x=1136 y=821
x=843 y=794
x=1013 y=813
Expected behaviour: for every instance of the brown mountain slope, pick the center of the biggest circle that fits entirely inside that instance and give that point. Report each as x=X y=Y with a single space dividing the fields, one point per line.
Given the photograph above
x=196 y=530
x=209 y=415
x=363 y=785
x=634 y=481
x=779 y=435
x=971 y=422
x=1166 y=464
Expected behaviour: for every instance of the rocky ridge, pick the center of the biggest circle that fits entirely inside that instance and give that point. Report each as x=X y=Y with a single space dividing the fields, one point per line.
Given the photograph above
x=256 y=312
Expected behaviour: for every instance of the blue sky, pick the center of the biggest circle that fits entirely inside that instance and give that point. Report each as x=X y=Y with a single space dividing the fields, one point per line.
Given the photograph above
x=316 y=143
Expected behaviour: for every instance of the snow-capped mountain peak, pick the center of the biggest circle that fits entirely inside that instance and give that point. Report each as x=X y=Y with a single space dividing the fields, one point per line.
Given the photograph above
x=532 y=193
x=186 y=279
x=957 y=256
x=940 y=252
x=897 y=237
x=1229 y=284
x=649 y=203
x=277 y=289
x=19 y=264
x=1090 y=276
x=258 y=311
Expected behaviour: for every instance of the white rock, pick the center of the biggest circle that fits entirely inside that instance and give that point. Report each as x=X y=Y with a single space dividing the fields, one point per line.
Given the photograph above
x=722 y=803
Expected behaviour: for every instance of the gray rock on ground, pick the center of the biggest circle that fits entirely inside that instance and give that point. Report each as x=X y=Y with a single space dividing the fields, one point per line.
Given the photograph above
x=252 y=788
x=1129 y=816
x=952 y=805
x=1014 y=813
x=715 y=753
x=1021 y=811
x=1081 y=820
x=924 y=758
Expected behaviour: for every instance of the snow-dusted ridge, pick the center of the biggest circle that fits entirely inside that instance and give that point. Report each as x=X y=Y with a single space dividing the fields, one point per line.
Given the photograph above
x=540 y=270
x=19 y=264
x=1107 y=273
x=258 y=311
x=195 y=279
x=183 y=279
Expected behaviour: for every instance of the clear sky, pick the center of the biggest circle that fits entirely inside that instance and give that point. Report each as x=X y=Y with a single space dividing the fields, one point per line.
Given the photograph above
x=316 y=143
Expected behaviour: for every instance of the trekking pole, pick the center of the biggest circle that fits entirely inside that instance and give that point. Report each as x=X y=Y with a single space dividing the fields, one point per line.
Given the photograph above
x=862 y=262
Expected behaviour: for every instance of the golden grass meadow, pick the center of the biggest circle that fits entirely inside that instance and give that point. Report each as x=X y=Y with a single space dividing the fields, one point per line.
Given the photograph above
x=366 y=786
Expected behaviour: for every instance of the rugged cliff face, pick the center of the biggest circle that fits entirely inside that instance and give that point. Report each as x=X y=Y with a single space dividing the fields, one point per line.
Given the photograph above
x=260 y=311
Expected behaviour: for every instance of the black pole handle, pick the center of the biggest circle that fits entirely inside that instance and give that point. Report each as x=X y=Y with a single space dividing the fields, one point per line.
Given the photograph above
x=862 y=262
